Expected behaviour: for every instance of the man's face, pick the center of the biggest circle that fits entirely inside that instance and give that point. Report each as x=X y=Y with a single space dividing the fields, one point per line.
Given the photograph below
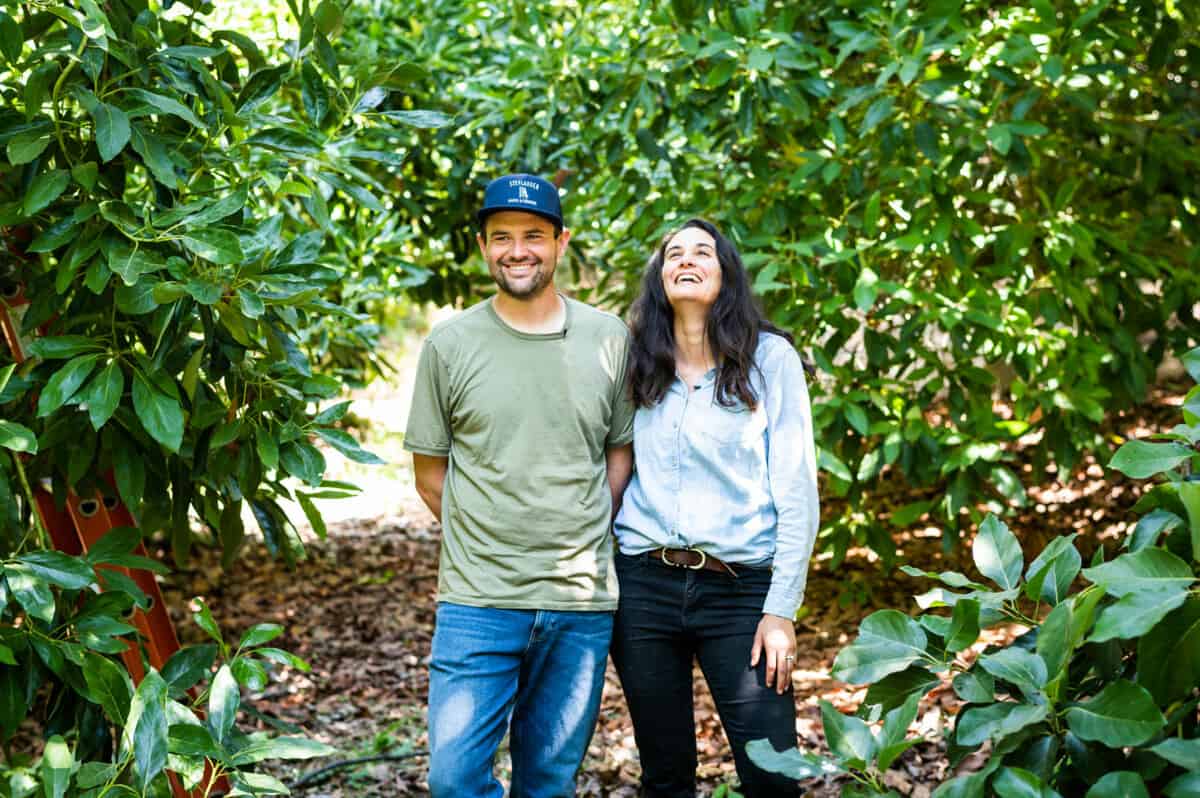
x=521 y=252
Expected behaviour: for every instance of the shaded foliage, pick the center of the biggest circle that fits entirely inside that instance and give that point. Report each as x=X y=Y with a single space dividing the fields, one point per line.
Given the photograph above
x=950 y=204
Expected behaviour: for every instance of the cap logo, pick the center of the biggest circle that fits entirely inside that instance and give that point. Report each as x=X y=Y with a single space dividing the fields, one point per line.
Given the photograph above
x=522 y=193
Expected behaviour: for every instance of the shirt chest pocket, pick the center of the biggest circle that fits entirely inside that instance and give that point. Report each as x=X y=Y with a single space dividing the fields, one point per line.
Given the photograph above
x=731 y=425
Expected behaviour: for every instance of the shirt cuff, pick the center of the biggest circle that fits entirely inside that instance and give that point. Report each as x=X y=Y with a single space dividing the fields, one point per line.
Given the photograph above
x=782 y=603
x=421 y=448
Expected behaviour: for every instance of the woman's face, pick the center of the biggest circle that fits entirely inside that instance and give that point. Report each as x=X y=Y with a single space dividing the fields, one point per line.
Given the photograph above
x=691 y=272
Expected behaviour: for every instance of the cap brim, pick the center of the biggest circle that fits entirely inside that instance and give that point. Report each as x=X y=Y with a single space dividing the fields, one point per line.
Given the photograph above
x=482 y=214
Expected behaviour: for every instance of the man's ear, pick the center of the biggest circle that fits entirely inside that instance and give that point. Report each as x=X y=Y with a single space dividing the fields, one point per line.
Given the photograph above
x=482 y=242
x=563 y=239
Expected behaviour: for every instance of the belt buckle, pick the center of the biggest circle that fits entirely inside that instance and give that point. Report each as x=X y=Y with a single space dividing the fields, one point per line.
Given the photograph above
x=662 y=555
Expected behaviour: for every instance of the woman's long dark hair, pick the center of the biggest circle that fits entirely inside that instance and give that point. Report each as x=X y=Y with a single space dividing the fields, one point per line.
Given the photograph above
x=734 y=323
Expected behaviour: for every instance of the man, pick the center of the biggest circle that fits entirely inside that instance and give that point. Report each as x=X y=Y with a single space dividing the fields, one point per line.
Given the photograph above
x=520 y=431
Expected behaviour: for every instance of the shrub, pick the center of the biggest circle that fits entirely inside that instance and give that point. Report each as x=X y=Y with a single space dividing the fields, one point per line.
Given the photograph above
x=1099 y=695
x=951 y=203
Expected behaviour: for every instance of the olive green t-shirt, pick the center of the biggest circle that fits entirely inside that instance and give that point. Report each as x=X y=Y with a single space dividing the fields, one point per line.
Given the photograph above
x=525 y=421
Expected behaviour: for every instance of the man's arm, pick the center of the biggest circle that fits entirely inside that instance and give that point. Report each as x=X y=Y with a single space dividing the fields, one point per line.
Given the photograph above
x=430 y=473
x=619 y=463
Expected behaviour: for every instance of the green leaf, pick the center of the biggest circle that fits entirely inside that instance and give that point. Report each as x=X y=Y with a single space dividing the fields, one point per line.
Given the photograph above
x=71 y=573
x=313 y=515
x=847 y=736
x=871 y=214
x=894 y=689
x=975 y=687
x=1191 y=362
x=146 y=733
x=109 y=685
x=261 y=86
x=161 y=415
x=892 y=740
x=1060 y=561
x=964 y=625
x=250 y=783
x=86 y=174
x=926 y=140
x=1151 y=569
x=25 y=147
x=888 y=642
x=792 y=762
x=263 y=748
x=1023 y=669
x=303 y=461
x=313 y=93
x=112 y=129
x=1119 y=784
x=186 y=739
x=130 y=262
x=1168 y=655
x=30 y=591
x=1142 y=459
x=17 y=438
x=130 y=472
x=259 y=634
x=1011 y=782
x=223 y=701
x=64 y=383
x=421 y=119
x=1001 y=138
x=879 y=111
x=1121 y=714
x=187 y=666
x=63 y=346
x=1054 y=642
x=1177 y=751
x=204 y=619
x=1150 y=527
x=1189 y=494
x=104 y=394
x=45 y=189
x=996 y=721
x=214 y=244
x=1185 y=786
x=997 y=553
x=154 y=155
x=348 y=446
x=58 y=764
x=11 y=42
x=1135 y=614
x=167 y=106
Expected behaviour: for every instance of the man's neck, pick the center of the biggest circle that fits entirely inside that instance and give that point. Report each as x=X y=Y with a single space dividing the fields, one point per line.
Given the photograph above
x=544 y=313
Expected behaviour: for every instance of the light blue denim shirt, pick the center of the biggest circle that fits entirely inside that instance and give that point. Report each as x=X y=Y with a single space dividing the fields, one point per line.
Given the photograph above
x=738 y=484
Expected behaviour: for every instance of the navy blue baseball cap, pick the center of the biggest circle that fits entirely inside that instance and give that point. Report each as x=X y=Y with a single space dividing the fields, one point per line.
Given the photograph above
x=521 y=193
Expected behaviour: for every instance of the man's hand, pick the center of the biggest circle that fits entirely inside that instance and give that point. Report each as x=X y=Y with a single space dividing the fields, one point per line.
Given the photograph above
x=430 y=474
x=776 y=640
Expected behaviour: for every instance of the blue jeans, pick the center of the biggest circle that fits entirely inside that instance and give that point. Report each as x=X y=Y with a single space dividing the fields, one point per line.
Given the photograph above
x=542 y=668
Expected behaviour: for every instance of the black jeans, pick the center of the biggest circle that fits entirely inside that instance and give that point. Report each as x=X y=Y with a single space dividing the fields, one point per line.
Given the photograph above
x=667 y=618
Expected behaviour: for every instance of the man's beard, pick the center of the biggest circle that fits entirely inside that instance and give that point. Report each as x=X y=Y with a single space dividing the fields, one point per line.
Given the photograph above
x=527 y=287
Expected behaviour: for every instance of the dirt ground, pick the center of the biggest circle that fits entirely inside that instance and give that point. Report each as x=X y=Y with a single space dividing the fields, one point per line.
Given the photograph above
x=360 y=610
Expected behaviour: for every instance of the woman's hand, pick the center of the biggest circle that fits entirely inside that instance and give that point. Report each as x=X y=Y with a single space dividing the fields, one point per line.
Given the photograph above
x=776 y=640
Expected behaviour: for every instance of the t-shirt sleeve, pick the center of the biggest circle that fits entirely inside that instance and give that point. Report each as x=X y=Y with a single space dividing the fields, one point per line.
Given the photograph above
x=429 y=418
x=620 y=430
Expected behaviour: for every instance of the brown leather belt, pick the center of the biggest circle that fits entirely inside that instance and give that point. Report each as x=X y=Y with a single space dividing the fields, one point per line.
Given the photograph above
x=693 y=560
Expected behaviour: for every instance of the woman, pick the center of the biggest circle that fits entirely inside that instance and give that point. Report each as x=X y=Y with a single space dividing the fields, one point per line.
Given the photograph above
x=717 y=525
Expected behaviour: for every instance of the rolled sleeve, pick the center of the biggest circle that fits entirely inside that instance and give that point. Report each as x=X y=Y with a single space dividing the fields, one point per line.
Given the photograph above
x=792 y=472
x=428 y=430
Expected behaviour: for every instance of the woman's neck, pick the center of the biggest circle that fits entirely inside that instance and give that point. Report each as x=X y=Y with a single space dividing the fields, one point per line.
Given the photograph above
x=693 y=352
